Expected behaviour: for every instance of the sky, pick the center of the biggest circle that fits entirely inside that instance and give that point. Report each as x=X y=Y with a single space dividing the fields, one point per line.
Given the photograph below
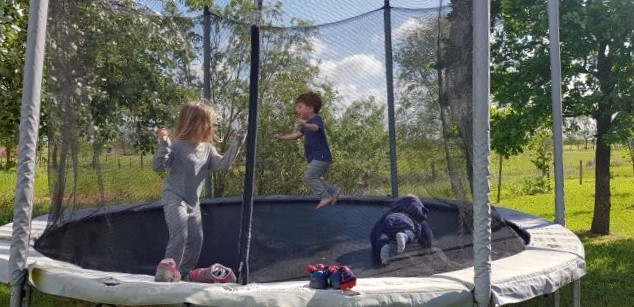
x=351 y=52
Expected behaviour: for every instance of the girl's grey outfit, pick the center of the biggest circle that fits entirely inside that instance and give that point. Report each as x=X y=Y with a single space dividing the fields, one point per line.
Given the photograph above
x=189 y=164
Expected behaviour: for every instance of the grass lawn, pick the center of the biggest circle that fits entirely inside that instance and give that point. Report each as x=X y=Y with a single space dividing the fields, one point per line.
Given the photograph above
x=610 y=260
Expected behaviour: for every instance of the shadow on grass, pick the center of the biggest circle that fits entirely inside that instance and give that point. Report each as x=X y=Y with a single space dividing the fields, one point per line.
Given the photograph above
x=609 y=280
x=577 y=213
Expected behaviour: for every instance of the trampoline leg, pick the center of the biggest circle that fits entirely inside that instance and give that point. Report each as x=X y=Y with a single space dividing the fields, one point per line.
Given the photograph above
x=26 y=299
x=557 y=298
x=16 y=296
x=576 y=292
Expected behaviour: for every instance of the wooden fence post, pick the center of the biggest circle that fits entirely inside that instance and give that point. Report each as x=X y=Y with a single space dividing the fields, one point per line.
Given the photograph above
x=580 y=172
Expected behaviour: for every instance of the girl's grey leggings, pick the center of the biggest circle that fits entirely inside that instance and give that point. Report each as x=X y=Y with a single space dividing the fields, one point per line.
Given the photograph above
x=184 y=224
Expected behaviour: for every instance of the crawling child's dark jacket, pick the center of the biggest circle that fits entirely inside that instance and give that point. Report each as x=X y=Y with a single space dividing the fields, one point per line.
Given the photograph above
x=408 y=215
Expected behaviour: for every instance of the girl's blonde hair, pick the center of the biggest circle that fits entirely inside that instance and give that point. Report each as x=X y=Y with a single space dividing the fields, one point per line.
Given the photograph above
x=196 y=122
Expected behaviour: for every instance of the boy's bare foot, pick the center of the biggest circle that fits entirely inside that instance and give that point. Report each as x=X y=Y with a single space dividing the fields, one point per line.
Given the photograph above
x=324 y=202
x=335 y=196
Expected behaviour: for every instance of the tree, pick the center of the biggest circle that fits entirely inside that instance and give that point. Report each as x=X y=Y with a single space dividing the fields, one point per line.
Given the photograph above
x=422 y=57
x=112 y=69
x=597 y=75
x=629 y=148
x=581 y=128
x=13 y=26
x=359 y=144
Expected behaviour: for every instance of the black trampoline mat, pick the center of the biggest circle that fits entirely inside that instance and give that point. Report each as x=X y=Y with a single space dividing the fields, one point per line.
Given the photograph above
x=288 y=233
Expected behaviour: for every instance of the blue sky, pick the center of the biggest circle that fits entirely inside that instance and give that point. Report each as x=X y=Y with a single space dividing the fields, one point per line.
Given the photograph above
x=350 y=54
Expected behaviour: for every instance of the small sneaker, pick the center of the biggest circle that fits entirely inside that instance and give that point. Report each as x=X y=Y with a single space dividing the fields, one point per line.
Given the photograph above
x=401 y=241
x=348 y=279
x=334 y=276
x=385 y=253
x=217 y=273
x=166 y=271
x=222 y=274
x=318 y=276
x=202 y=275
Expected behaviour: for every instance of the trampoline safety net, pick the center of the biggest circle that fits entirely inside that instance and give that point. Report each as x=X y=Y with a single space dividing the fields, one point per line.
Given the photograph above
x=394 y=78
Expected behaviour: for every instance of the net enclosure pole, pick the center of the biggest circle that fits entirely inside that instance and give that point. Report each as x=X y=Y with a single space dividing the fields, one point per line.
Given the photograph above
x=29 y=128
x=481 y=153
x=209 y=188
x=389 y=78
x=555 y=72
x=557 y=112
x=252 y=128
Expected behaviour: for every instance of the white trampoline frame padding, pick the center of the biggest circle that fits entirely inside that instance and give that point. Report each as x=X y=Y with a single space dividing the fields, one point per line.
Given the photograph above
x=29 y=130
x=554 y=258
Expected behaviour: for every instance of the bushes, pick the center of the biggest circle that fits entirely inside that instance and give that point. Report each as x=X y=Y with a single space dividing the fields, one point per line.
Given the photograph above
x=532 y=186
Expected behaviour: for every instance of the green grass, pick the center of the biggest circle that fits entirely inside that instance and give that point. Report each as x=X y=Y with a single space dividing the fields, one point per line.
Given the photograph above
x=610 y=272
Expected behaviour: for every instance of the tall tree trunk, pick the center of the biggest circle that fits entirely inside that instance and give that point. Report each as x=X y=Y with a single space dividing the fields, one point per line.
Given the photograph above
x=459 y=75
x=96 y=152
x=454 y=175
x=8 y=152
x=443 y=101
x=220 y=179
x=602 y=201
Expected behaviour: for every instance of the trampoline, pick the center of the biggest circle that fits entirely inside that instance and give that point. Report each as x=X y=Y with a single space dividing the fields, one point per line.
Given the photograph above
x=405 y=86
x=72 y=261
x=338 y=235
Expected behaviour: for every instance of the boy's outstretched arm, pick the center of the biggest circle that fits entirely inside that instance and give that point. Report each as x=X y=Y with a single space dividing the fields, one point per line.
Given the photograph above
x=288 y=137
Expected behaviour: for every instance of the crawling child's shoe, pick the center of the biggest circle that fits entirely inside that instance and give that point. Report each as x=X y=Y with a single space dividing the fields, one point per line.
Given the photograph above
x=401 y=241
x=318 y=276
x=385 y=253
x=167 y=271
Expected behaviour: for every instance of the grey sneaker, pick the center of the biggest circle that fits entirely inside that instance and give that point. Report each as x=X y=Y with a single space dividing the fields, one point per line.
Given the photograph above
x=401 y=241
x=385 y=253
x=166 y=271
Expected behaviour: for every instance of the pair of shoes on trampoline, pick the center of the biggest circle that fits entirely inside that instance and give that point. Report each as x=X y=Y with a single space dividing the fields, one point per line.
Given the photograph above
x=337 y=277
x=216 y=273
x=401 y=243
x=167 y=271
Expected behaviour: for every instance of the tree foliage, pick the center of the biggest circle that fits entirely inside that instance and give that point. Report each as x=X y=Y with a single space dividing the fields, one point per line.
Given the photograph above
x=112 y=70
x=597 y=74
x=13 y=26
x=428 y=116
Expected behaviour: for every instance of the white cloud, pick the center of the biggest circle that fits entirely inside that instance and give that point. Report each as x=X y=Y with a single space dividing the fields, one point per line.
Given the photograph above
x=355 y=77
x=318 y=45
x=406 y=28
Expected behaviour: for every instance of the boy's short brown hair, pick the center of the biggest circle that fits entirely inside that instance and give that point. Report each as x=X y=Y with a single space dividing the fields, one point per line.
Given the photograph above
x=310 y=99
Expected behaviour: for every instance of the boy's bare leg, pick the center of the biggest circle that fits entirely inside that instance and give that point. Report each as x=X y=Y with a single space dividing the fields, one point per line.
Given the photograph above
x=335 y=196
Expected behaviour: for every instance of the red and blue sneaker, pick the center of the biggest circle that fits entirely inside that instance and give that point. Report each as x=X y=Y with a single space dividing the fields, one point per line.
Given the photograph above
x=318 y=276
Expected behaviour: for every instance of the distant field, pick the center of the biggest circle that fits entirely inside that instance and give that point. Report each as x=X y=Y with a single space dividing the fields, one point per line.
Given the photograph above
x=610 y=261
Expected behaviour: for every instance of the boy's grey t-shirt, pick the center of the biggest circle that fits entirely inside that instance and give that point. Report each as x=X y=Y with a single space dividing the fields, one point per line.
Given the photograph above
x=188 y=164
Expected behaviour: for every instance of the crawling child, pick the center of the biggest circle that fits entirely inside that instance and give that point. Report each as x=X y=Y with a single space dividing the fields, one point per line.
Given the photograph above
x=406 y=222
